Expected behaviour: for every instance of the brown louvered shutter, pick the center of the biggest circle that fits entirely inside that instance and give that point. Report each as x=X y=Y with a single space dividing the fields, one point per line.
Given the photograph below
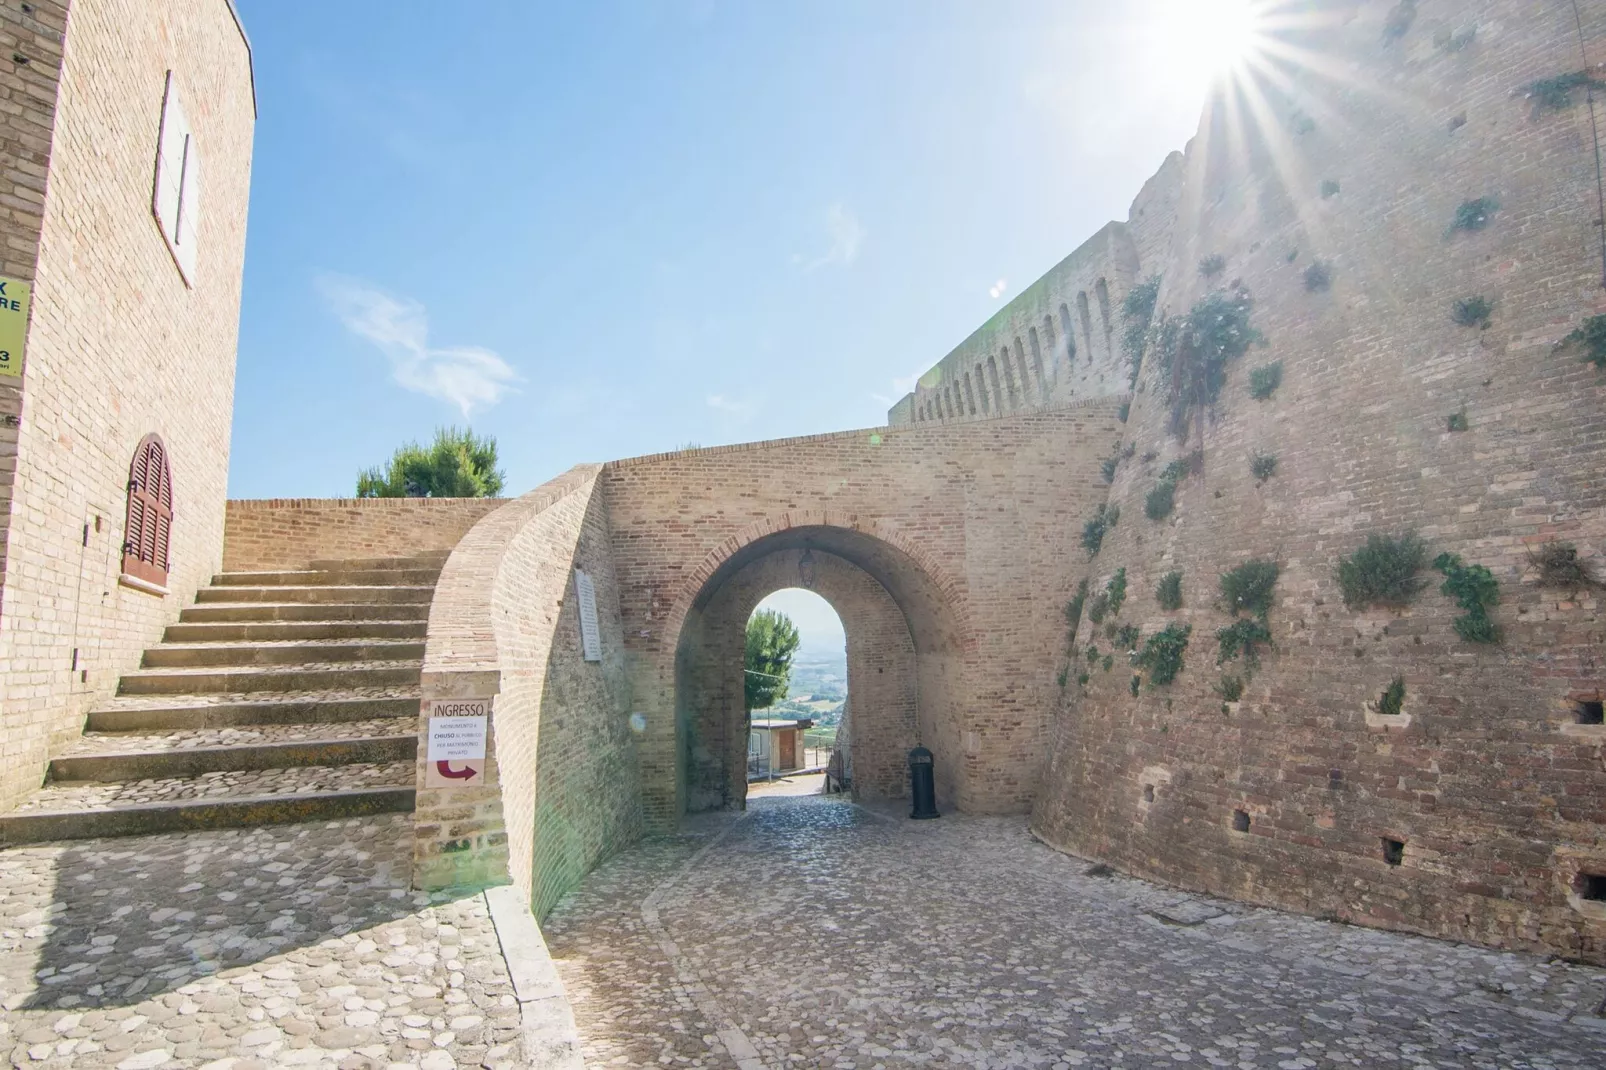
x=149 y=531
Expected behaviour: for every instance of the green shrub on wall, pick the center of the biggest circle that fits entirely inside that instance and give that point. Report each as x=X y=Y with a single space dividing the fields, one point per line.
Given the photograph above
x=1194 y=351
x=1393 y=699
x=1474 y=215
x=1250 y=588
x=1169 y=591
x=1094 y=530
x=1264 y=380
x=1472 y=312
x=1383 y=572
x=1475 y=590
x=1162 y=654
x=1591 y=337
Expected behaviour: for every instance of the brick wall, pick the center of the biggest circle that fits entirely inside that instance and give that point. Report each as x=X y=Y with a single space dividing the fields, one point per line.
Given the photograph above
x=1499 y=799
x=290 y=533
x=27 y=125
x=563 y=786
x=952 y=520
x=119 y=346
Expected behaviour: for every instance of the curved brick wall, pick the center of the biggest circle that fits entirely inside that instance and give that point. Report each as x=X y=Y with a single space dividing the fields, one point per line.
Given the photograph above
x=1499 y=798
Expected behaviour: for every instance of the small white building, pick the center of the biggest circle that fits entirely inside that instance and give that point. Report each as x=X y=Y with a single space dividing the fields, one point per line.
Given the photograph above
x=775 y=746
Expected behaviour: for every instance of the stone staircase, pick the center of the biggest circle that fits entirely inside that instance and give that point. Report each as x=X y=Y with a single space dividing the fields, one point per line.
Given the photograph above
x=279 y=696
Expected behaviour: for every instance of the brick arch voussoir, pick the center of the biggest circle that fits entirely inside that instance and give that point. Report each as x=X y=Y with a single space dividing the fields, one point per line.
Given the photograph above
x=946 y=585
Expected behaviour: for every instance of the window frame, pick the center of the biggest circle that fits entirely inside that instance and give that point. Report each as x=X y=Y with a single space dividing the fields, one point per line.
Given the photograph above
x=175 y=201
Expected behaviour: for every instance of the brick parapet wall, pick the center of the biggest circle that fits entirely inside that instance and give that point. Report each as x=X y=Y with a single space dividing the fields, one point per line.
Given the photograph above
x=118 y=347
x=561 y=793
x=955 y=519
x=1499 y=799
x=290 y=533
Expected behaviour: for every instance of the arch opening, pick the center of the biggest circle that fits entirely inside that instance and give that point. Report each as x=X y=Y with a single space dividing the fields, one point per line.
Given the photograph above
x=793 y=721
x=904 y=678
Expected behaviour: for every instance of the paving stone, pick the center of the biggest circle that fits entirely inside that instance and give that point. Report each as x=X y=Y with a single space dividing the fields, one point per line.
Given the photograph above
x=234 y=949
x=813 y=933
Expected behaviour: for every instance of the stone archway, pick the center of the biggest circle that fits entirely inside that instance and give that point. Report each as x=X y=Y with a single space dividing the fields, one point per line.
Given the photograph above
x=903 y=648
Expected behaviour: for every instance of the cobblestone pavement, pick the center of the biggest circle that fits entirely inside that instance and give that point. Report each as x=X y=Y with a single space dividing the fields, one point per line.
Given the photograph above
x=812 y=933
x=234 y=736
x=288 y=781
x=244 y=949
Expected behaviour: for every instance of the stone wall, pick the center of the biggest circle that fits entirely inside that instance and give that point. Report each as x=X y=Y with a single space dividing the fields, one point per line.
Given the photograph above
x=291 y=533
x=954 y=520
x=1060 y=340
x=119 y=345
x=562 y=788
x=1288 y=797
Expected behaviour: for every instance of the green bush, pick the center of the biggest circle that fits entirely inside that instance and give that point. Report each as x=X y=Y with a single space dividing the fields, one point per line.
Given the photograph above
x=1393 y=699
x=1556 y=93
x=1458 y=421
x=1094 y=530
x=1383 y=572
x=1264 y=380
x=1129 y=635
x=1474 y=215
x=1136 y=683
x=1231 y=688
x=1475 y=590
x=1098 y=607
x=1083 y=678
x=1169 y=591
x=1159 y=502
x=1137 y=310
x=1061 y=678
x=1591 y=335
x=1263 y=466
x=1318 y=277
x=1250 y=588
x=1472 y=312
x=1243 y=636
x=1329 y=189
x=1162 y=654
x=1195 y=350
x=1107 y=469
x=1115 y=591
x=1212 y=265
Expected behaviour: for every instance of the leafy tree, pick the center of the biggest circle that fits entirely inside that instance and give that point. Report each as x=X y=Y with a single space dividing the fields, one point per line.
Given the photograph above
x=771 y=641
x=458 y=464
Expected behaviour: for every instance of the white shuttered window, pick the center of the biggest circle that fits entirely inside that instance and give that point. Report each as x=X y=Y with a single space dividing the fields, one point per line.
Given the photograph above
x=176 y=199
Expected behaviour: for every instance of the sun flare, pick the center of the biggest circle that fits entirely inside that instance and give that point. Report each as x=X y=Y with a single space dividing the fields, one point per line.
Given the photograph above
x=1206 y=39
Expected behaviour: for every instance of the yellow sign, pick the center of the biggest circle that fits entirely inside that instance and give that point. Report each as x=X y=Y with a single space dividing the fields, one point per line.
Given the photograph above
x=13 y=324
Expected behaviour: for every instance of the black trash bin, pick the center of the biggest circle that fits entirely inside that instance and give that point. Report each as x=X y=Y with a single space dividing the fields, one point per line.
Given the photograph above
x=922 y=785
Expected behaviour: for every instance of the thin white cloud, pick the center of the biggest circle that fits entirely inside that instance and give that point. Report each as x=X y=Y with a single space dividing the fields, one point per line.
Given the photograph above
x=847 y=238
x=465 y=376
x=998 y=289
x=732 y=406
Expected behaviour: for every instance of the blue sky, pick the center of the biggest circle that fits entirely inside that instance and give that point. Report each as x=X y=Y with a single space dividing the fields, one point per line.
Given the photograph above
x=614 y=228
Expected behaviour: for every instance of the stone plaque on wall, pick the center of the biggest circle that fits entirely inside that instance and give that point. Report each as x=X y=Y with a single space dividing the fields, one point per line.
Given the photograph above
x=590 y=635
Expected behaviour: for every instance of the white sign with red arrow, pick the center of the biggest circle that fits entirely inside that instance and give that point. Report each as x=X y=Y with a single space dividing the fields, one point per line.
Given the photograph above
x=456 y=755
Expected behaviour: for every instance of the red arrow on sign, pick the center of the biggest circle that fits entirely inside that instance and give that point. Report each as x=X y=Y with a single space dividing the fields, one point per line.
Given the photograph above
x=445 y=770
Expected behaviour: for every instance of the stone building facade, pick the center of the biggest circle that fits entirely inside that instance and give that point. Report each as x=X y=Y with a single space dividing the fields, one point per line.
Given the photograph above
x=121 y=344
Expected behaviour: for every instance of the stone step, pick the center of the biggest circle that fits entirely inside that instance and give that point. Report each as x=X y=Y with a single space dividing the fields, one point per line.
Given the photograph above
x=153 y=713
x=257 y=612
x=70 y=822
x=281 y=652
x=435 y=561
x=333 y=577
x=314 y=677
x=350 y=594
x=280 y=630
x=188 y=738
x=170 y=762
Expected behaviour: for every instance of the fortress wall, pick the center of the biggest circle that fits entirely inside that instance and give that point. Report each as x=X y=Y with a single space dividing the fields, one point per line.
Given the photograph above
x=290 y=533
x=561 y=790
x=1060 y=339
x=119 y=344
x=986 y=509
x=1498 y=796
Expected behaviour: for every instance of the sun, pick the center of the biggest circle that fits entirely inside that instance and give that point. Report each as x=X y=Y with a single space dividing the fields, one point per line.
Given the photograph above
x=1206 y=39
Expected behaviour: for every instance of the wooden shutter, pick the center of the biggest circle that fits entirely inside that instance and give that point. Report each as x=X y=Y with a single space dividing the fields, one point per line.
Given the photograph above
x=148 y=533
